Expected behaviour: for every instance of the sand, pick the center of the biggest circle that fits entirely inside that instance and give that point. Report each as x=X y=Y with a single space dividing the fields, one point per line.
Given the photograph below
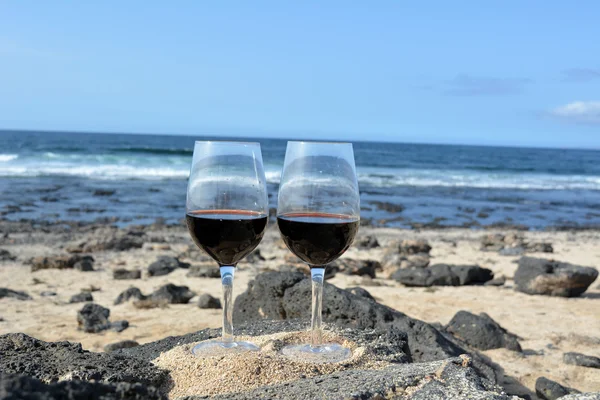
x=192 y=375
x=548 y=326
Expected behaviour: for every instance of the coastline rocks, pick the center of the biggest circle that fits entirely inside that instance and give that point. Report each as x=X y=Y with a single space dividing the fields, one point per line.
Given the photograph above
x=481 y=332
x=52 y=362
x=286 y=295
x=113 y=241
x=552 y=278
x=351 y=266
x=204 y=270
x=367 y=242
x=581 y=360
x=82 y=263
x=550 y=390
x=81 y=297
x=164 y=265
x=418 y=246
x=5 y=255
x=122 y=274
x=172 y=294
x=208 y=301
x=15 y=294
x=513 y=244
x=358 y=291
x=443 y=275
x=124 y=344
x=93 y=318
x=131 y=293
x=14 y=386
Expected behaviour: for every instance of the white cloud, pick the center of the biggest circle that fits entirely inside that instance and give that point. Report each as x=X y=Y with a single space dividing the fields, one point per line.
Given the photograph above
x=579 y=111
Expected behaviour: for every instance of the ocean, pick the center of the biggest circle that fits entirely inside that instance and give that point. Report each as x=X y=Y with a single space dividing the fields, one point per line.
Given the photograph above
x=135 y=179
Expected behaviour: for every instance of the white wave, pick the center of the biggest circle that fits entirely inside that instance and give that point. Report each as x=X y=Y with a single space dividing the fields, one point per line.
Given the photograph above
x=8 y=157
x=109 y=172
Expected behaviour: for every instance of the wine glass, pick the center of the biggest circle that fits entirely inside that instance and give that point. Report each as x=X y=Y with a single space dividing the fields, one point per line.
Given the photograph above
x=318 y=215
x=226 y=214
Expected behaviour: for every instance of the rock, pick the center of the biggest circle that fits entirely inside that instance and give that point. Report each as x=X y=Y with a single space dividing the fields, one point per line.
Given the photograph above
x=47 y=293
x=14 y=386
x=81 y=297
x=85 y=265
x=124 y=344
x=581 y=359
x=103 y=192
x=414 y=247
x=552 y=278
x=119 y=326
x=481 y=332
x=511 y=251
x=51 y=362
x=208 y=301
x=204 y=270
x=358 y=291
x=172 y=294
x=350 y=266
x=415 y=261
x=540 y=247
x=254 y=257
x=550 y=390
x=165 y=265
x=367 y=242
x=15 y=294
x=286 y=295
x=111 y=242
x=60 y=262
x=121 y=274
x=6 y=256
x=93 y=318
x=392 y=261
x=443 y=275
x=131 y=293
x=499 y=281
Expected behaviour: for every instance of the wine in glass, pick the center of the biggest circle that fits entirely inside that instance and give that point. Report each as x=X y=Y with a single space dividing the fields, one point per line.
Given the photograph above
x=226 y=214
x=318 y=216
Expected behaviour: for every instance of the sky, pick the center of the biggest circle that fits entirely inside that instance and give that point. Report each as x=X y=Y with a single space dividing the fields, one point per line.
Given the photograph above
x=523 y=73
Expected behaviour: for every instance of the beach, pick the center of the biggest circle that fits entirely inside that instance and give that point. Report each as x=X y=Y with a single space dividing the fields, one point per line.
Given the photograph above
x=546 y=326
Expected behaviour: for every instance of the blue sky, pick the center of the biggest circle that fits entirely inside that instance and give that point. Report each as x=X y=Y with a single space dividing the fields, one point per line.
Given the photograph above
x=474 y=72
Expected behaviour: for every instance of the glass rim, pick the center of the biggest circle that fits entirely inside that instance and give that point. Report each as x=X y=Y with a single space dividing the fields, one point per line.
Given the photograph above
x=225 y=142
x=317 y=142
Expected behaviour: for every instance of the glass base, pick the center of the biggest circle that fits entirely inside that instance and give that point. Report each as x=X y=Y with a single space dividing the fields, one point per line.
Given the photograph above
x=325 y=353
x=218 y=348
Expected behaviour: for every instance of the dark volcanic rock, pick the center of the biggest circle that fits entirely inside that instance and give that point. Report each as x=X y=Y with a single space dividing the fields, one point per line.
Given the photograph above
x=172 y=294
x=165 y=265
x=81 y=297
x=124 y=344
x=131 y=293
x=47 y=293
x=552 y=278
x=440 y=380
x=113 y=242
x=122 y=274
x=481 y=331
x=286 y=295
x=414 y=247
x=93 y=318
x=119 y=326
x=498 y=281
x=358 y=291
x=15 y=294
x=204 y=270
x=6 y=256
x=350 y=266
x=443 y=275
x=85 y=265
x=61 y=262
x=367 y=242
x=550 y=390
x=581 y=359
x=208 y=301
x=15 y=387
x=51 y=362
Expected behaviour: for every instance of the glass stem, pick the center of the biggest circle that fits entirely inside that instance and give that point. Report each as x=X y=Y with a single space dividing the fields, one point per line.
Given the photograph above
x=317 y=275
x=227 y=273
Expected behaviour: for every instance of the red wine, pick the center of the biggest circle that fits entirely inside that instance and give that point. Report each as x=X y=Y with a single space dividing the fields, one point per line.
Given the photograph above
x=317 y=238
x=226 y=235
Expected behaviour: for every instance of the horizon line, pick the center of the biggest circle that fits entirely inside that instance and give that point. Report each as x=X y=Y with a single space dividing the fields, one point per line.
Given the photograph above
x=292 y=138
